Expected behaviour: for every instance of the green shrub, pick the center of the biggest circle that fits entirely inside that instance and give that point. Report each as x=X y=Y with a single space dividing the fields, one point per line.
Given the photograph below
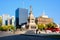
x=6 y=28
x=11 y=27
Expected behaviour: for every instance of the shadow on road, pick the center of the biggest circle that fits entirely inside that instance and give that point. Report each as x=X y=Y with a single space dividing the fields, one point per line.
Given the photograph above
x=27 y=37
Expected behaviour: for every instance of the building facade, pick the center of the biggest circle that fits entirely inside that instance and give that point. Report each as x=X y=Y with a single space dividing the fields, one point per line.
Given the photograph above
x=5 y=19
x=12 y=21
x=43 y=19
x=21 y=16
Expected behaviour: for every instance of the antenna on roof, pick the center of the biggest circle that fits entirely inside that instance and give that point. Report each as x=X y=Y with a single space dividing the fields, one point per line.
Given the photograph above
x=30 y=8
x=43 y=13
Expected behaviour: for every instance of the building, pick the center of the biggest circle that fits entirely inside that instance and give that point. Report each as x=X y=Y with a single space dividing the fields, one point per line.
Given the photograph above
x=31 y=20
x=5 y=19
x=21 y=16
x=12 y=20
x=43 y=19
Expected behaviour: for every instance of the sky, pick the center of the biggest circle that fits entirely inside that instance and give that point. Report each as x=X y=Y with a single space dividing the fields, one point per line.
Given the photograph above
x=50 y=7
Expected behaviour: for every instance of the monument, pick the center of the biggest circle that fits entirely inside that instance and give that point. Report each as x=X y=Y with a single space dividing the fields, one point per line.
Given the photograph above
x=31 y=20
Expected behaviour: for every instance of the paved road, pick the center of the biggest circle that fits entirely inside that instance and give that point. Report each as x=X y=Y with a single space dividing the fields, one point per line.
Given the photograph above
x=27 y=37
x=10 y=36
x=3 y=33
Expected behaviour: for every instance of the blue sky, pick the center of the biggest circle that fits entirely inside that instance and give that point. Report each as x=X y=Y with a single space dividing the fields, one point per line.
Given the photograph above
x=51 y=7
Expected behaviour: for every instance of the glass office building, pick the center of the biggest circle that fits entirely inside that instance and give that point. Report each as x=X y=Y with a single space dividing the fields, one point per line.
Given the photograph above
x=21 y=16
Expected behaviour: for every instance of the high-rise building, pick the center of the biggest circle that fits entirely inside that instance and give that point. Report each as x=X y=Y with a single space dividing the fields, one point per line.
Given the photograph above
x=21 y=16
x=5 y=19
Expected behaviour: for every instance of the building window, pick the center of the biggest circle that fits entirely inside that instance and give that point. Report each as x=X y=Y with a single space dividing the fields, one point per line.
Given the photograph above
x=32 y=21
x=6 y=22
x=33 y=27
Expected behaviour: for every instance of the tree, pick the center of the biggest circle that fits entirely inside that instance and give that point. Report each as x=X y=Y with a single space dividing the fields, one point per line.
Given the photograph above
x=51 y=25
x=54 y=25
x=0 y=21
x=6 y=28
x=11 y=27
x=41 y=26
x=3 y=28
